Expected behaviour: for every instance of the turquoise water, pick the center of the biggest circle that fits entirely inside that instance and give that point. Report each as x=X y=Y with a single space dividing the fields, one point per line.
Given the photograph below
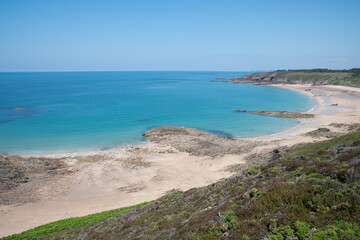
x=73 y=111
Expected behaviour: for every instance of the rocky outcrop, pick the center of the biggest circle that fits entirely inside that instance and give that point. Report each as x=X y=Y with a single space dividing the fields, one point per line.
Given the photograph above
x=323 y=133
x=352 y=127
x=197 y=142
x=261 y=78
x=21 y=178
x=283 y=114
x=10 y=174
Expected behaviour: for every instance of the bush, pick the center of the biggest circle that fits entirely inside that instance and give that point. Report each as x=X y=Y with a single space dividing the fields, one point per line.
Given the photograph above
x=302 y=229
x=252 y=170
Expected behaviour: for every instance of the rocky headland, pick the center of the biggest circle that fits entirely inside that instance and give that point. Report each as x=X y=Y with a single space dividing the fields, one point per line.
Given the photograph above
x=315 y=77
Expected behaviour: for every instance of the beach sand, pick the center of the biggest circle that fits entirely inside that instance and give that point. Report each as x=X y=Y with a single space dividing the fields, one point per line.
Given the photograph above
x=104 y=180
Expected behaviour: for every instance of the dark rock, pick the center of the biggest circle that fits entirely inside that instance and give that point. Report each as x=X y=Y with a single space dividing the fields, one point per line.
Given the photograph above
x=10 y=175
x=322 y=132
x=197 y=142
x=282 y=114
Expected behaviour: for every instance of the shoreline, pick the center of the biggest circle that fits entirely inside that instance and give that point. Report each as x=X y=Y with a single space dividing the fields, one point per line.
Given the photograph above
x=96 y=181
x=302 y=123
x=139 y=144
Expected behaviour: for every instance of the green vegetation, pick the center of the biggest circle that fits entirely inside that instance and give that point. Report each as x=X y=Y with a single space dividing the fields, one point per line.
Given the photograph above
x=320 y=146
x=302 y=230
x=313 y=76
x=349 y=77
x=311 y=192
x=252 y=170
x=56 y=228
x=336 y=77
x=172 y=194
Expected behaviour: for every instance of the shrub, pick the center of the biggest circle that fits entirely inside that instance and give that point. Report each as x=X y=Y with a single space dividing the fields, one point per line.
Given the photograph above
x=252 y=170
x=174 y=193
x=282 y=232
x=302 y=229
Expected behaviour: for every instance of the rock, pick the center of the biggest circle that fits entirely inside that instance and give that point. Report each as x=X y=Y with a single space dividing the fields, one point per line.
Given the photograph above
x=282 y=114
x=21 y=177
x=82 y=236
x=197 y=142
x=322 y=132
x=10 y=174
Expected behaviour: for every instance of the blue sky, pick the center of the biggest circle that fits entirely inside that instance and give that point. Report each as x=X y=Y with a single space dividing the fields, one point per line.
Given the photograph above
x=178 y=35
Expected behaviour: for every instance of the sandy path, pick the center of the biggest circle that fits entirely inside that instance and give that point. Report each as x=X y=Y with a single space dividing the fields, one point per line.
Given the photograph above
x=130 y=175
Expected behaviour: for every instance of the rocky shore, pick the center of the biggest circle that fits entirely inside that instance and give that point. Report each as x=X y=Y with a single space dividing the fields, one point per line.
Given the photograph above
x=21 y=178
x=197 y=142
x=282 y=114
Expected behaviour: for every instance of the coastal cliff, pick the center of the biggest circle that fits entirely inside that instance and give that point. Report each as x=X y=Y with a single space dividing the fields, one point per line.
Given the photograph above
x=349 y=77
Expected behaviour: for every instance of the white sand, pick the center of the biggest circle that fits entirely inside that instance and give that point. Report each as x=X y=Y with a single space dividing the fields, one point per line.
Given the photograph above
x=130 y=175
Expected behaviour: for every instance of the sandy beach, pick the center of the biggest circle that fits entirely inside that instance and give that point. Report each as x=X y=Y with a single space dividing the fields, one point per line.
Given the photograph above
x=91 y=182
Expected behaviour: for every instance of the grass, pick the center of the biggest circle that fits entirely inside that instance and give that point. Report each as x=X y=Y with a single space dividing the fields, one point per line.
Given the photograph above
x=173 y=194
x=349 y=77
x=320 y=146
x=252 y=170
x=313 y=76
x=57 y=227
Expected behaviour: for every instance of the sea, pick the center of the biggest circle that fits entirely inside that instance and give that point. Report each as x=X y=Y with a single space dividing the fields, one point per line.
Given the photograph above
x=55 y=112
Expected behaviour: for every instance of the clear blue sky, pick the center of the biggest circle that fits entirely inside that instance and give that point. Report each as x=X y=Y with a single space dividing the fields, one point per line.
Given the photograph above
x=77 y=35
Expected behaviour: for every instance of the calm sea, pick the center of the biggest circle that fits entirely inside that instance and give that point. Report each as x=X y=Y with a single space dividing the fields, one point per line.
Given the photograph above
x=74 y=111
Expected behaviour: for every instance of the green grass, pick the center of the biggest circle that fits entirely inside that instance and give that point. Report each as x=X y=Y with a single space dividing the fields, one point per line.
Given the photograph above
x=349 y=77
x=173 y=194
x=57 y=227
x=252 y=170
x=313 y=76
x=320 y=146
x=353 y=81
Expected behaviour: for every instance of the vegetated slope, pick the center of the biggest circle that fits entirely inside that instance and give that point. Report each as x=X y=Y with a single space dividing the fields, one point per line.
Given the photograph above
x=349 y=77
x=311 y=192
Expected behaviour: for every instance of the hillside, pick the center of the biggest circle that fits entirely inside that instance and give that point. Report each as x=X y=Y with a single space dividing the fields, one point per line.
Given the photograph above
x=314 y=76
x=308 y=192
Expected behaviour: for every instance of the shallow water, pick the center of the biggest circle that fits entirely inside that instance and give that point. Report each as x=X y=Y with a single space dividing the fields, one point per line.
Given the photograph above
x=74 y=111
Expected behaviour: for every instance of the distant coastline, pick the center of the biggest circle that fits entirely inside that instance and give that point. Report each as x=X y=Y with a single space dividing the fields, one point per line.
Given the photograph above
x=349 y=77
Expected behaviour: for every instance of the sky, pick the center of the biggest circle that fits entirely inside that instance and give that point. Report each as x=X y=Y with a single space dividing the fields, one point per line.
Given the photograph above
x=209 y=35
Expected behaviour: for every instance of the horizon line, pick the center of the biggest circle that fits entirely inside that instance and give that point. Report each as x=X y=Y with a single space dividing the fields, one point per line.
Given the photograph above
x=58 y=71
x=135 y=71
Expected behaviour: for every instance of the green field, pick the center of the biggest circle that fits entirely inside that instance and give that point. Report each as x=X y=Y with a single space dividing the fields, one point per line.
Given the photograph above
x=336 y=77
